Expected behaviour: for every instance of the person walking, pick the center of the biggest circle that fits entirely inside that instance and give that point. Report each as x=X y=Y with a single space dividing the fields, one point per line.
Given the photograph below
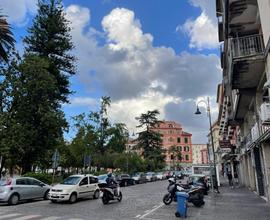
x=229 y=175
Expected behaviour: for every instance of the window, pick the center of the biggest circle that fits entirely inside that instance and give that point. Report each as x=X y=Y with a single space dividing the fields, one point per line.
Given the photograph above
x=178 y=140
x=21 y=182
x=93 y=180
x=172 y=157
x=171 y=139
x=171 y=131
x=84 y=181
x=187 y=157
x=34 y=182
x=186 y=140
x=186 y=148
x=180 y=148
x=170 y=126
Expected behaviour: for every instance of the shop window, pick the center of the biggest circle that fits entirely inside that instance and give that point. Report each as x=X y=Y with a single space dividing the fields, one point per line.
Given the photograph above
x=178 y=140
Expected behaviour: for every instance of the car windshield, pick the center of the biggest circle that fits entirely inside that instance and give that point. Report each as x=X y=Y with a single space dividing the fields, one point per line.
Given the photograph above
x=72 y=180
x=102 y=177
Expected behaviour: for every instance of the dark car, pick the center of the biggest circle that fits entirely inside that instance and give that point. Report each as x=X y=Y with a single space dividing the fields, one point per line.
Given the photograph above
x=125 y=180
x=139 y=178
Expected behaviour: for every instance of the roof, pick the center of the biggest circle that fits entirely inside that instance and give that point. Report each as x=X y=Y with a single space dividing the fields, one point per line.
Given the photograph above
x=186 y=133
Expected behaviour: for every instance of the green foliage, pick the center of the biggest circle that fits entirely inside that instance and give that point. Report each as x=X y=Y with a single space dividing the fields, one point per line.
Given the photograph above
x=151 y=141
x=50 y=37
x=6 y=39
x=43 y=177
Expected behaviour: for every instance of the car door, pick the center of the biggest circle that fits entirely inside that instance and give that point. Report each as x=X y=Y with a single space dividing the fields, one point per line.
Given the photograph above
x=23 y=188
x=35 y=188
x=93 y=185
x=84 y=189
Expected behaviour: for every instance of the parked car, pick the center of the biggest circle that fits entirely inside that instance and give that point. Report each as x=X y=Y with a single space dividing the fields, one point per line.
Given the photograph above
x=13 y=190
x=168 y=174
x=139 y=178
x=75 y=187
x=159 y=176
x=102 y=178
x=125 y=180
x=151 y=176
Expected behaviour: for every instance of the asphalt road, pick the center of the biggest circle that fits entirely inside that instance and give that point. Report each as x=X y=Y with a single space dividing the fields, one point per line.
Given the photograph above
x=142 y=201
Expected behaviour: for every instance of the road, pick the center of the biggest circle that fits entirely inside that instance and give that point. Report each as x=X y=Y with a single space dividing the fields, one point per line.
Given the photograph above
x=142 y=201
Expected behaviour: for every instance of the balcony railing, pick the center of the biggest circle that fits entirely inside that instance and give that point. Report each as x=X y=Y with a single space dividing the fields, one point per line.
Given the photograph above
x=247 y=46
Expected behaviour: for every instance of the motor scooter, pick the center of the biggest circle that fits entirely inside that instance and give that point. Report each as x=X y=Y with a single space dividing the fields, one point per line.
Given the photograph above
x=109 y=193
x=195 y=193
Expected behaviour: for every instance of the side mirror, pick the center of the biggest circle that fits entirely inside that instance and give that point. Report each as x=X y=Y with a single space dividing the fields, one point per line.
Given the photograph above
x=41 y=184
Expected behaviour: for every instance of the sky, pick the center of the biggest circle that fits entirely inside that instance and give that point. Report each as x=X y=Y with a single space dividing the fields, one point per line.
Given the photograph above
x=144 y=54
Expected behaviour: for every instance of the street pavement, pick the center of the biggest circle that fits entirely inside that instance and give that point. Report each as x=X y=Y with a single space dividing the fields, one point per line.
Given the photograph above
x=144 y=201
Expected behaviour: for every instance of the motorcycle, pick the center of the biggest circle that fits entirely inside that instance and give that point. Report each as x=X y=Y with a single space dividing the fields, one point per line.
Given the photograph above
x=196 y=194
x=110 y=193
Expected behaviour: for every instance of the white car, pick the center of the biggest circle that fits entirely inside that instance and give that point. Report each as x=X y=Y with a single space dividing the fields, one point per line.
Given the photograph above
x=75 y=187
x=159 y=176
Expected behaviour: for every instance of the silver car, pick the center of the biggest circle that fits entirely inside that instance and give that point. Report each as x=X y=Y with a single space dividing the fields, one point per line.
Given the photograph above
x=13 y=190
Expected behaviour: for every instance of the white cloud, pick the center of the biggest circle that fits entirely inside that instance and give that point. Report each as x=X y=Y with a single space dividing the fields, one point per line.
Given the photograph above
x=203 y=31
x=18 y=10
x=135 y=74
x=83 y=101
x=124 y=31
x=126 y=110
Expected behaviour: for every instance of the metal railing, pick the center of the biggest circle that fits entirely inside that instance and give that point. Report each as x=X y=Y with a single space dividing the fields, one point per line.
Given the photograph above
x=247 y=46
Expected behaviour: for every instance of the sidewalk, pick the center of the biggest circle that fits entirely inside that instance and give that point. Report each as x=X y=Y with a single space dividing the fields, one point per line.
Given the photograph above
x=230 y=204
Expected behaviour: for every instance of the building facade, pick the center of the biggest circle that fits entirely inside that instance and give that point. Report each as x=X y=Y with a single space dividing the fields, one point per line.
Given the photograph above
x=176 y=143
x=244 y=119
x=198 y=154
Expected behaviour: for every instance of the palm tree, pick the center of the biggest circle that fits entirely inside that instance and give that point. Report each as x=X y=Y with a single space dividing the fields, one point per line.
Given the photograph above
x=6 y=38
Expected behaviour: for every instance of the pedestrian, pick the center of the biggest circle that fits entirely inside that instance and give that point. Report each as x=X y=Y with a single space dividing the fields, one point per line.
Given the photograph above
x=229 y=175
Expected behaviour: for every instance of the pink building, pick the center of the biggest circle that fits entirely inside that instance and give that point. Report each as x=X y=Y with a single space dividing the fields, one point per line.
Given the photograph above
x=173 y=135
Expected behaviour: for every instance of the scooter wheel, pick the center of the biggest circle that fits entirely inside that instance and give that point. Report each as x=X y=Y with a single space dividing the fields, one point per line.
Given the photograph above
x=105 y=200
x=120 y=197
x=177 y=214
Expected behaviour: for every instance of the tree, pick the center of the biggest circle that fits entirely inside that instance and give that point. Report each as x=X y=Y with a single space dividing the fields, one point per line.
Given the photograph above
x=6 y=38
x=118 y=140
x=151 y=141
x=50 y=37
x=175 y=154
x=34 y=121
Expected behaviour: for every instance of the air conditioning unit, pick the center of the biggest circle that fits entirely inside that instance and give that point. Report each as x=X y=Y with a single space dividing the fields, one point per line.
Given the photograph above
x=265 y=113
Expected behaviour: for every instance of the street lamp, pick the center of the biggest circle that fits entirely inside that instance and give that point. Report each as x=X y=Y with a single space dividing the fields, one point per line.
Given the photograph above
x=198 y=112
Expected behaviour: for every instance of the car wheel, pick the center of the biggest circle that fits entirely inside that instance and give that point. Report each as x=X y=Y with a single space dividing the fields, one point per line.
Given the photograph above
x=46 y=195
x=14 y=199
x=73 y=198
x=96 y=194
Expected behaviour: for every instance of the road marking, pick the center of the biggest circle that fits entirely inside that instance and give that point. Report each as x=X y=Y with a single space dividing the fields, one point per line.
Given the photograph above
x=26 y=217
x=151 y=211
x=50 y=218
x=137 y=216
x=9 y=216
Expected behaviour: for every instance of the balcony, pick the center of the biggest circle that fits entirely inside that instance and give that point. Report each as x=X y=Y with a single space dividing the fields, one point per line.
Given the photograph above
x=242 y=17
x=249 y=46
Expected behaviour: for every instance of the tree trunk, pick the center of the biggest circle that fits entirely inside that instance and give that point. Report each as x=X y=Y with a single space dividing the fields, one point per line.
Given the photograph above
x=2 y=166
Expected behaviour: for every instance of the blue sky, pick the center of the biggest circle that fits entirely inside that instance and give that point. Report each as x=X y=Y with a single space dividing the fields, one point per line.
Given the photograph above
x=146 y=55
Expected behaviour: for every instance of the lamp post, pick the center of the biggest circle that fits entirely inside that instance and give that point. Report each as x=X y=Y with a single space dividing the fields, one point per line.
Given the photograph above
x=207 y=103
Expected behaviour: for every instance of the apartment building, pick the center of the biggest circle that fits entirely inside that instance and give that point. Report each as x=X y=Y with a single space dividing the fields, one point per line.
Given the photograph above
x=244 y=110
x=175 y=140
x=199 y=154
